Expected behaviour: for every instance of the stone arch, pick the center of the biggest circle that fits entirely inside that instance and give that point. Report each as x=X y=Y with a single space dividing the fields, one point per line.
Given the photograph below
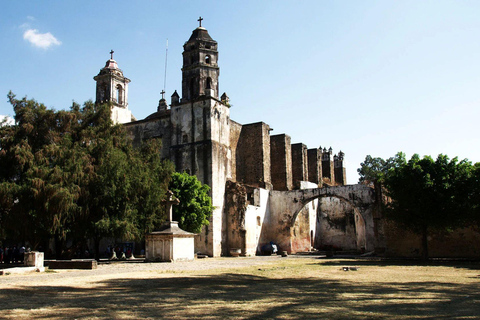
x=360 y=226
x=284 y=207
x=308 y=200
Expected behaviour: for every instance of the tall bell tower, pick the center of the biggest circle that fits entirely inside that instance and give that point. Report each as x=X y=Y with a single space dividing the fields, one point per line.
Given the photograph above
x=200 y=69
x=200 y=131
x=112 y=87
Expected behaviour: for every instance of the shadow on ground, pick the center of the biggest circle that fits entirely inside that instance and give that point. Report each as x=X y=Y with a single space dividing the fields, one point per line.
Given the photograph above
x=243 y=296
x=463 y=264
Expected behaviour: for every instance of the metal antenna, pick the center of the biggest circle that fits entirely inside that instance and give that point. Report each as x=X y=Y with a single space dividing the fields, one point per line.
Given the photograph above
x=165 y=76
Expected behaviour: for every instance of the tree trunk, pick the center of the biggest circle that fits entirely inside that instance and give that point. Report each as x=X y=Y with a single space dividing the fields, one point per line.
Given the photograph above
x=425 y=243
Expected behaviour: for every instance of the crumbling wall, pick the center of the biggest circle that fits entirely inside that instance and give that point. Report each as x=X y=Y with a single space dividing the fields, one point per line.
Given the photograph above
x=245 y=209
x=284 y=207
x=337 y=226
x=281 y=162
x=254 y=220
x=234 y=210
x=304 y=230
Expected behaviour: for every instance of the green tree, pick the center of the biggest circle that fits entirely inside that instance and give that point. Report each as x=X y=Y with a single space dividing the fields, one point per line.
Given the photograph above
x=38 y=199
x=121 y=197
x=195 y=206
x=374 y=170
x=74 y=174
x=428 y=195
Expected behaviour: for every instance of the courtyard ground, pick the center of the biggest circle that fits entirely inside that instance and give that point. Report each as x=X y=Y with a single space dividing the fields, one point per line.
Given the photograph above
x=296 y=287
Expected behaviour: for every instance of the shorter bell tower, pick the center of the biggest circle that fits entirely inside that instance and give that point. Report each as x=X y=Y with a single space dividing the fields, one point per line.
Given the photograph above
x=112 y=87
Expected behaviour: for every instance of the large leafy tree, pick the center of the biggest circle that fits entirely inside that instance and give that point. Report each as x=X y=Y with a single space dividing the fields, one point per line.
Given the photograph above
x=38 y=198
x=195 y=206
x=73 y=173
x=425 y=194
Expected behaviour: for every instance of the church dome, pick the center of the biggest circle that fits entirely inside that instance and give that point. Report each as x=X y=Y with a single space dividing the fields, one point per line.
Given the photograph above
x=111 y=64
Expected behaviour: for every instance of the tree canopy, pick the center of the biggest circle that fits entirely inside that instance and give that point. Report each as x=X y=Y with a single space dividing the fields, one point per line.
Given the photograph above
x=426 y=194
x=75 y=174
x=195 y=206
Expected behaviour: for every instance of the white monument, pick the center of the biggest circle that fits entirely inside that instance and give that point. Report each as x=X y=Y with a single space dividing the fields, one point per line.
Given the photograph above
x=170 y=243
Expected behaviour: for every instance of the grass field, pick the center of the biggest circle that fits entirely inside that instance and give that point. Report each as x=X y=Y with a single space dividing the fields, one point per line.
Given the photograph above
x=291 y=288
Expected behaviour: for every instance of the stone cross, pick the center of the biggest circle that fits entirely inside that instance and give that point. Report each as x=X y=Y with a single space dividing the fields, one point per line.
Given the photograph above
x=200 y=20
x=111 y=54
x=163 y=94
x=168 y=204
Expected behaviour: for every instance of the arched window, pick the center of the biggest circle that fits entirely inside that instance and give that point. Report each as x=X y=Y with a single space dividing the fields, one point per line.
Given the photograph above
x=207 y=59
x=119 y=94
x=209 y=83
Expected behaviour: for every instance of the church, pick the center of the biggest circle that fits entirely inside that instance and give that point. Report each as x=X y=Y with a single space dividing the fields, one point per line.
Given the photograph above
x=242 y=163
x=264 y=188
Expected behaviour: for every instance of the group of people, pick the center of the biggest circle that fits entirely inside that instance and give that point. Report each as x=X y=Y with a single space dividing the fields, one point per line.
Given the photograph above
x=12 y=254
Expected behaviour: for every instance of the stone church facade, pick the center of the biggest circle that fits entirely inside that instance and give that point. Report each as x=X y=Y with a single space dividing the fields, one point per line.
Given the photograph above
x=199 y=137
x=263 y=187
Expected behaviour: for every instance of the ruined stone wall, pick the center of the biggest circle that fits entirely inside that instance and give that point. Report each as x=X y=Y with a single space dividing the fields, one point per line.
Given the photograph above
x=254 y=221
x=461 y=243
x=234 y=219
x=253 y=155
x=281 y=162
x=299 y=164
x=304 y=230
x=245 y=209
x=337 y=226
x=285 y=205
x=315 y=166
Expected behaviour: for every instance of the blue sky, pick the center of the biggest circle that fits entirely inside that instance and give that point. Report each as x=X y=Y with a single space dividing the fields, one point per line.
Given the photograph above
x=364 y=77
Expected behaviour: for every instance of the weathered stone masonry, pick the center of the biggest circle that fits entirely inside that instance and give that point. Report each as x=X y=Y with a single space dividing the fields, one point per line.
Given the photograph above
x=248 y=170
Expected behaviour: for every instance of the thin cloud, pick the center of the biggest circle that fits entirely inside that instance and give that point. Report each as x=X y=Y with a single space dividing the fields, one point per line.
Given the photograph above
x=41 y=40
x=30 y=18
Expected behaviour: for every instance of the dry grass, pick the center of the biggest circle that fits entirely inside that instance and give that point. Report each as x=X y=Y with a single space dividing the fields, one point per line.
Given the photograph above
x=290 y=288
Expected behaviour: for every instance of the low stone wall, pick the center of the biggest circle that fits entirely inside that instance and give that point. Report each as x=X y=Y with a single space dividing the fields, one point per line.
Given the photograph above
x=72 y=264
x=461 y=243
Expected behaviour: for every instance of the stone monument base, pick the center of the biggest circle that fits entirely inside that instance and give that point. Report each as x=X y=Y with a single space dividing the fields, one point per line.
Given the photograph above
x=169 y=244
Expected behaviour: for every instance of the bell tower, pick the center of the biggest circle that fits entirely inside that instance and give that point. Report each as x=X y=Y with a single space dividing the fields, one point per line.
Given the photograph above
x=112 y=87
x=200 y=66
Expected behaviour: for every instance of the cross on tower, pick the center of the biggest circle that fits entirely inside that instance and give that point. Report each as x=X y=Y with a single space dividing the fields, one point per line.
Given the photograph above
x=168 y=205
x=111 y=54
x=163 y=94
x=200 y=21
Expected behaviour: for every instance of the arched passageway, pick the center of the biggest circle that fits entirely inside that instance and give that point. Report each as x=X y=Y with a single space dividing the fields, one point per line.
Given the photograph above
x=286 y=206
